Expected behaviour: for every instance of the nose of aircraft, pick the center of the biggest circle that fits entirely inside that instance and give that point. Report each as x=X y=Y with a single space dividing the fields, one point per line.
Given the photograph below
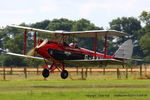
x=31 y=52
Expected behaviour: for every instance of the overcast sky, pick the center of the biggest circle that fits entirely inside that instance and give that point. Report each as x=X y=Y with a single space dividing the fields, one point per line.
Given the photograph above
x=99 y=12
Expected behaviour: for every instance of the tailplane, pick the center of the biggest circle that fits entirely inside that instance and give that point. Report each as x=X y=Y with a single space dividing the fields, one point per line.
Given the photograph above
x=125 y=50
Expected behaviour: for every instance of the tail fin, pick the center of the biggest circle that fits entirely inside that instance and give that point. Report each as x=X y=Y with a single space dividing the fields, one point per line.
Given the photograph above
x=125 y=50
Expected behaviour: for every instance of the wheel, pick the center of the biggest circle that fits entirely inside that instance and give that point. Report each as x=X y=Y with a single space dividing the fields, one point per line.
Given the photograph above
x=64 y=74
x=45 y=73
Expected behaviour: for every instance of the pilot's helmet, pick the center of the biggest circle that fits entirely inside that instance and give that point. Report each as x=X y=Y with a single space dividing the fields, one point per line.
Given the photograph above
x=71 y=44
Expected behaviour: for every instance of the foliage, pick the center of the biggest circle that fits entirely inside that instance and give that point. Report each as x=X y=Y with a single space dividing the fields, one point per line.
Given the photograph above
x=83 y=25
x=145 y=17
x=144 y=42
x=131 y=26
x=12 y=39
x=41 y=25
x=60 y=24
x=14 y=43
x=145 y=38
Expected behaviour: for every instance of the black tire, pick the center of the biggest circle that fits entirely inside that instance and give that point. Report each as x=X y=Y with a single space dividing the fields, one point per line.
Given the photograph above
x=64 y=74
x=45 y=73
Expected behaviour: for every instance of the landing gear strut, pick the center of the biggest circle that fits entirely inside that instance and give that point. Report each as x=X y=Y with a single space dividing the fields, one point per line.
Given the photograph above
x=64 y=74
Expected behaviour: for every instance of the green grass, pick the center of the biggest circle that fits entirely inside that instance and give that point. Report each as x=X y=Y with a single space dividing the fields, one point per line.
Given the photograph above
x=90 y=89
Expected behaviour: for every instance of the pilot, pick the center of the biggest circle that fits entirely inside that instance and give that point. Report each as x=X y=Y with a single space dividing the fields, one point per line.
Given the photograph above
x=66 y=45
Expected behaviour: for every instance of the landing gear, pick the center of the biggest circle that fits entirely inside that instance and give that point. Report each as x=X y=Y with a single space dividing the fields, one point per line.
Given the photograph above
x=45 y=72
x=50 y=69
x=64 y=74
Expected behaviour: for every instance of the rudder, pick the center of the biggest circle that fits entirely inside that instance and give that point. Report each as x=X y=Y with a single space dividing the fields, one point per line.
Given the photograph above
x=125 y=50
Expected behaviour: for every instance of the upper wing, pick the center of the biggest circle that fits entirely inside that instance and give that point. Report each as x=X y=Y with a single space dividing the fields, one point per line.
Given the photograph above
x=94 y=62
x=90 y=33
x=34 y=29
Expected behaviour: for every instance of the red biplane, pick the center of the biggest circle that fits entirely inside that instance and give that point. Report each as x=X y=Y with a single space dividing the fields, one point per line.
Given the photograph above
x=60 y=53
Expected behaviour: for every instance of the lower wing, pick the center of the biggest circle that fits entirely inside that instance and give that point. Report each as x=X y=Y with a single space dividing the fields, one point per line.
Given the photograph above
x=76 y=62
x=94 y=62
x=25 y=56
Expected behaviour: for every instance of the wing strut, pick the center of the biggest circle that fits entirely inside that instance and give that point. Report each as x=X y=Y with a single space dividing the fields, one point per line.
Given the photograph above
x=34 y=41
x=63 y=39
x=95 y=46
x=105 y=46
x=25 y=38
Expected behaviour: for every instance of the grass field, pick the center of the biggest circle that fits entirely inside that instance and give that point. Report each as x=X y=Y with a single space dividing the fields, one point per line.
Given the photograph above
x=94 y=88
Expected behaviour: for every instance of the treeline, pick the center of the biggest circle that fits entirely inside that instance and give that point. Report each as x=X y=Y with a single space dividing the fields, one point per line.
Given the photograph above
x=13 y=39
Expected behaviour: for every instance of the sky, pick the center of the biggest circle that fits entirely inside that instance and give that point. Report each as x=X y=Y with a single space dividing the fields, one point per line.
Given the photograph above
x=99 y=12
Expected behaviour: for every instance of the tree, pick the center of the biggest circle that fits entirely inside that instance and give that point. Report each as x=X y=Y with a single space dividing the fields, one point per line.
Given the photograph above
x=84 y=25
x=144 y=42
x=16 y=44
x=13 y=61
x=145 y=35
x=41 y=25
x=131 y=26
x=13 y=39
x=2 y=34
x=60 y=24
x=145 y=17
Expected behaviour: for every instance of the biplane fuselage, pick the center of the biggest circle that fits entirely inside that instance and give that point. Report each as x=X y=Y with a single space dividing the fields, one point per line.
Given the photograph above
x=61 y=52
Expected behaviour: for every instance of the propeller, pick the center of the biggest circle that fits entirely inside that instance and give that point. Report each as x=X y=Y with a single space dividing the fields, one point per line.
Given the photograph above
x=31 y=52
x=42 y=44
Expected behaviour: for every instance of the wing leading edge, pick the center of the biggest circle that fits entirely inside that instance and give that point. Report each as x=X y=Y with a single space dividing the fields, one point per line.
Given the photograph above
x=25 y=56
